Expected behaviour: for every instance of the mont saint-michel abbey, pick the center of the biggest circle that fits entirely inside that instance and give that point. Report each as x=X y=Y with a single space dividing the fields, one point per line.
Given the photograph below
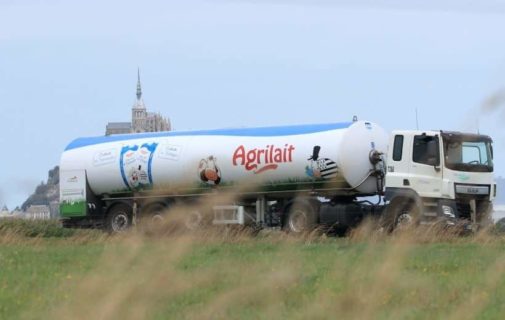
x=142 y=121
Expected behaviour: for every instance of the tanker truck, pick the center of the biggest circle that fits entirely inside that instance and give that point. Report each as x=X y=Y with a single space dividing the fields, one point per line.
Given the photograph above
x=294 y=178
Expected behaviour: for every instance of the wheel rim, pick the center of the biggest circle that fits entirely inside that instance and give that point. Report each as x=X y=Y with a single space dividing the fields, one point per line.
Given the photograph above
x=404 y=220
x=155 y=222
x=157 y=219
x=120 y=222
x=193 y=220
x=297 y=221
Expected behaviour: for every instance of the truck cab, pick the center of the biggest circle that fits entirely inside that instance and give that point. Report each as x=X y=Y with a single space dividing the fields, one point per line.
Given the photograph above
x=435 y=176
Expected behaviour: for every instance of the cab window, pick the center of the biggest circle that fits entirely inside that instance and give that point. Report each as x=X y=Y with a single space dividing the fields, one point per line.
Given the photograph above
x=398 y=148
x=426 y=150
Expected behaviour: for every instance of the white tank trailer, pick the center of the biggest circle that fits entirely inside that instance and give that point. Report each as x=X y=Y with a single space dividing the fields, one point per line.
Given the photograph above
x=295 y=177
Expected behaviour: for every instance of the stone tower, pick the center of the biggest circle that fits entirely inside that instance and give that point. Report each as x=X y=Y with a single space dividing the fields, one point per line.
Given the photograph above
x=142 y=120
x=139 y=112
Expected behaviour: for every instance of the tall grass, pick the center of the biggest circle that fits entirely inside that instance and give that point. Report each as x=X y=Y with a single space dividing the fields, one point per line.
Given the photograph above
x=15 y=231
x=227 y=273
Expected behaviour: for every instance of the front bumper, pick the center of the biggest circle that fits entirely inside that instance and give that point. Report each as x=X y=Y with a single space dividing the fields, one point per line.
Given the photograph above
x=469 y=213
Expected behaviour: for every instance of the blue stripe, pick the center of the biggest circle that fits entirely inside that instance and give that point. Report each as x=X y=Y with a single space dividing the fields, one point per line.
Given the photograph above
x=241 y=132
x=121 y=162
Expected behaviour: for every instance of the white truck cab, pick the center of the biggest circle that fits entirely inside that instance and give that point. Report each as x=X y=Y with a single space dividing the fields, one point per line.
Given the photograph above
x=438 y=175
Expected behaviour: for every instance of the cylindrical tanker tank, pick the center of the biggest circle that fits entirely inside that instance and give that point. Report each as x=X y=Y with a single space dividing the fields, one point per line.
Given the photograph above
x=331 y=156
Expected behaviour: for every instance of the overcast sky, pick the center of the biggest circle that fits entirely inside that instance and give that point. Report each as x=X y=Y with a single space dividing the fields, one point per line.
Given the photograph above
x=69 y=67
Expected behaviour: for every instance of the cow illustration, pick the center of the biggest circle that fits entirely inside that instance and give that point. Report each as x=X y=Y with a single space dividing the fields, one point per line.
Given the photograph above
x=209 y=172
x=321 y=168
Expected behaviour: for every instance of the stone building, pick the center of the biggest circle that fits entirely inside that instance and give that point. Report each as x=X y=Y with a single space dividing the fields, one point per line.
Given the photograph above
x=4 y=212
x=38 y=212
x=17 y=213
x=142 y=120
x=118 y=128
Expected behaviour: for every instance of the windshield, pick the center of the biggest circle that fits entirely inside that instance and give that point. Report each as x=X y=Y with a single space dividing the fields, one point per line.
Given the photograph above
x=468 y=153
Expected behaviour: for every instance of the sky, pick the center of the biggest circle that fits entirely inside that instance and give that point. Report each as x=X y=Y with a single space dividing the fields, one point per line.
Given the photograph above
x=69 y=67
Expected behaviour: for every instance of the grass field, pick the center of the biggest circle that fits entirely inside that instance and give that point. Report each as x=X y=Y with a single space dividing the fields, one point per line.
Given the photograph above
x=53 y=274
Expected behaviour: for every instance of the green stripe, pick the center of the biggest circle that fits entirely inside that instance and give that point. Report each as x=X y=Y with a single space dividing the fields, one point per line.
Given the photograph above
x=74 y=209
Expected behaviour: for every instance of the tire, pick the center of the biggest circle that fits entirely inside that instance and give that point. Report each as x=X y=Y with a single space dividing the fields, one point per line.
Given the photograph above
x=195 y=220
x=301 y=218
x=119 y=219
x=401 y=214
x=500 y=226
x=153 y=217
x=485 y=220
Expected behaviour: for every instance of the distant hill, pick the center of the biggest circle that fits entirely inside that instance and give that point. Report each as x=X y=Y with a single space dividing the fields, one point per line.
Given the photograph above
x=46 y=192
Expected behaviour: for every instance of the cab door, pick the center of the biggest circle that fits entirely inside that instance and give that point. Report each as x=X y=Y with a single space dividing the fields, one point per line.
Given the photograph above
x=425 y=169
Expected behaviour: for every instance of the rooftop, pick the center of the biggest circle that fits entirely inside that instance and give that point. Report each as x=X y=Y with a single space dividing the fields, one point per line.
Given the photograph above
x=119 y=125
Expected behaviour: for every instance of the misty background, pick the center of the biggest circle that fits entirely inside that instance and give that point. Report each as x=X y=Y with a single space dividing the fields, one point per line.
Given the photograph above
x=68 y=68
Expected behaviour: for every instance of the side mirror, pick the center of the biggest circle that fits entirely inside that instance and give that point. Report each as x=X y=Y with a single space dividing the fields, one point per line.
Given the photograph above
x=433 y=153
x=432 y=161
x=435 y=162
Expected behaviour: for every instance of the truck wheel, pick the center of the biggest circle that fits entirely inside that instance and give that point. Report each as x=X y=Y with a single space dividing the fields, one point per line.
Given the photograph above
x=301 y=219
x=485 y=220
x=194 y=220
x=401 y=214
x=153 y=217
x=119 y=219
x=499 y=227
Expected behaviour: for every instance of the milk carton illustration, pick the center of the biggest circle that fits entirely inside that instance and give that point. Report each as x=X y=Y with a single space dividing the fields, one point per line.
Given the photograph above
x=135 y=165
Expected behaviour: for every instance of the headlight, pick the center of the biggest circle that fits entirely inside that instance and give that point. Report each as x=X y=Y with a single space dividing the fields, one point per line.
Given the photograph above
x=447 y=210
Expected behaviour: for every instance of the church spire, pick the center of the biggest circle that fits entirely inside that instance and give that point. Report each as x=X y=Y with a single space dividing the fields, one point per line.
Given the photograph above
x=139 y=88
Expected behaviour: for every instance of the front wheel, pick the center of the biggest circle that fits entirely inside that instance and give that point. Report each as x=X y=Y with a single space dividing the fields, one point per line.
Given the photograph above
x=485 y=218
x=401 y=214
x=119 y=219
